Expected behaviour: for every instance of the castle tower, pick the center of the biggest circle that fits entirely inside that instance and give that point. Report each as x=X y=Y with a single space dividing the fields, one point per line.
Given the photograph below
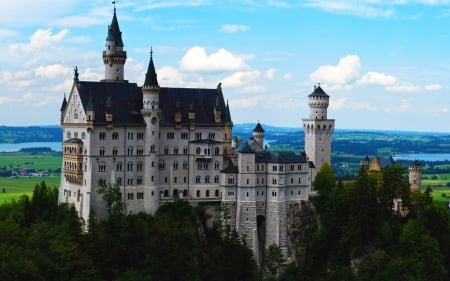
x=151 y=114
x=415 y=175
x=246 y=223
x=318 y=130
x=114 y=56
x=228 y=133
x=258 y=136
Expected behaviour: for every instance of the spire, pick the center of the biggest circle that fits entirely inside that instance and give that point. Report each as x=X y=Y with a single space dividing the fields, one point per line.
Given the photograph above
x=258 y=128
x=227 y=114
x=114 y=33
x=151 y=79
x=64 y=103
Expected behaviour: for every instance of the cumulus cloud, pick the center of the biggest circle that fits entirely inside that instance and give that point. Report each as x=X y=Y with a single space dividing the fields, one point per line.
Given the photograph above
x=338 y=104
x=377 y=78
x=39 y=40
x=51 y=71
x=346 y=71
x=232 y=28
x=241 y=79
x=197 y=60
x=168 y=75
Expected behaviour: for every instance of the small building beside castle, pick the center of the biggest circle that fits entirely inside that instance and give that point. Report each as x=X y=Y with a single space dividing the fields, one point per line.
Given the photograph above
x=159 y=144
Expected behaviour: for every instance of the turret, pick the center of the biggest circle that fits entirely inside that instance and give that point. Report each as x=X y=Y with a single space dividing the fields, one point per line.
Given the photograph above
x=318 y=130
x=415 y=175
x=151 y=114
x=114 y=57
x=258 y=136
x=318 y=102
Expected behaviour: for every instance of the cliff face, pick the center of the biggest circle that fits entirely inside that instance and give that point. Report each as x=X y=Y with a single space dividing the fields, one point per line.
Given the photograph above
x=299 y=220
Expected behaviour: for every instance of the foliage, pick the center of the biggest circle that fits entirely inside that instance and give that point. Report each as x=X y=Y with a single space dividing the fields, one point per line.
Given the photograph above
x=41 y=240
x=360 y=237
x=112 y=197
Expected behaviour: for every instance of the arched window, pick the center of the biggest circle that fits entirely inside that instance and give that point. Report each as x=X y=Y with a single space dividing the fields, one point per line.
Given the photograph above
x=216 y=193
x=207 y=193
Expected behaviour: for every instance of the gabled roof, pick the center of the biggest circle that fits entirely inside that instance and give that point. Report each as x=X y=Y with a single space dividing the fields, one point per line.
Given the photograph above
x=185 y=100
x=279 y=157
x=318 y=92
x=125 y=101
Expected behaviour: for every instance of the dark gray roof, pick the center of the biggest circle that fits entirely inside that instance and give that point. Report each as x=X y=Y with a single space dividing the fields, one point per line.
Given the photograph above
x=244 y=147
x=185 y=100
x=151 y=77
x=64 y=104
x=318 y=92
x=114 y=33
x=258 y=128
x=279 y=157
x=73 y=140
x=126 y=103
x=230 y=169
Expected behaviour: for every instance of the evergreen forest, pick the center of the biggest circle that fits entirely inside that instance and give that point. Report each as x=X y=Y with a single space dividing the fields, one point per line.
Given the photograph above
x=353 y=235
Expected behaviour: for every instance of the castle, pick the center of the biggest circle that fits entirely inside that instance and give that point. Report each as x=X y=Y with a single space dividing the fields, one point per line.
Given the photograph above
x=159 y=144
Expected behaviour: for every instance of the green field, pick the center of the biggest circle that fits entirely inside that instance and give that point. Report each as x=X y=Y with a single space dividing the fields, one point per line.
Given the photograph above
x=13 y=188
x=22 y=160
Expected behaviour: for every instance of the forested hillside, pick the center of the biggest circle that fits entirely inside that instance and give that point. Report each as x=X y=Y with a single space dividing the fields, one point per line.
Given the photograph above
x=30 y=134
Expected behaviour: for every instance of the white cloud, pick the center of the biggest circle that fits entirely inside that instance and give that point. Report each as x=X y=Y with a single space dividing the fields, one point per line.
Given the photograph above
x=196 y=59
x=361 y=106
x=377 y=78
x=287 y=76
x=232 y=28
x=346 y=71
x=359 y=8
x=51 y=71
x=403 y=87
x=170 y=76
x=240 y=79
x=42 y=38
x=433 y=87
x=338 y=104
x=172 y=4
x=244 y=103
x=404 y=105
x=270 y=74
x=253 y=89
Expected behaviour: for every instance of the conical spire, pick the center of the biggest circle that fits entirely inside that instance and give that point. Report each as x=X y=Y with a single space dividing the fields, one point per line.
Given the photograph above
x=114 y=33
x=227 y=114
x=64 y=104
x=151 y=79
x=258 y=128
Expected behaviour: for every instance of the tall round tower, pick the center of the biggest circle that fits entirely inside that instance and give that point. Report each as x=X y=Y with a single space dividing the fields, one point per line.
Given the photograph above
x=151 y=114
x=415 y=175
x=318 y=130
x=114 y=56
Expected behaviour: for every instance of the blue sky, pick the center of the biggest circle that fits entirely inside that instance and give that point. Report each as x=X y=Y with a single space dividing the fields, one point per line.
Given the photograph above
x=385 y=64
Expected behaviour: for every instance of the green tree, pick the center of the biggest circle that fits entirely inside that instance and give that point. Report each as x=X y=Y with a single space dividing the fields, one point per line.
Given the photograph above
x=273 y=262
x=112 y=197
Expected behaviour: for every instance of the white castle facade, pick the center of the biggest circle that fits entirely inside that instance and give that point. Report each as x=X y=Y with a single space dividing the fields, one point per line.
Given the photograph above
x=160 y=144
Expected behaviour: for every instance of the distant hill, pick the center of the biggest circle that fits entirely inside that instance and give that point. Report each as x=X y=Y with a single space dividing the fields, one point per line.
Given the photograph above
x=30 y=134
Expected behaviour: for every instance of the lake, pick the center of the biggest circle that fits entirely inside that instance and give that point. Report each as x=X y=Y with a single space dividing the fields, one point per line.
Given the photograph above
x=12 y=147
x=423 y=156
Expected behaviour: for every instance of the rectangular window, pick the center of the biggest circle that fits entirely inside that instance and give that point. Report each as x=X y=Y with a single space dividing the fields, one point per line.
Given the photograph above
x=184 y=135
x=170 y=135
x=130 y=196
x=140 y=195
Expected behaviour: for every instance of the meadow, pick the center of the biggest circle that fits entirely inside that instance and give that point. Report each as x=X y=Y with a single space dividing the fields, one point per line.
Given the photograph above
x=12 y=164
